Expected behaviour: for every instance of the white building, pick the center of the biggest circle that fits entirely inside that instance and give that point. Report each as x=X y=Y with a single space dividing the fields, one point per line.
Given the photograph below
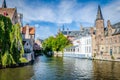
x=82 y=48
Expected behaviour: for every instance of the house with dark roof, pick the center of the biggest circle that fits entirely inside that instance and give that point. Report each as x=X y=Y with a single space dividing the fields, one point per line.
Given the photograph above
x=73 y=34
x=81 y=40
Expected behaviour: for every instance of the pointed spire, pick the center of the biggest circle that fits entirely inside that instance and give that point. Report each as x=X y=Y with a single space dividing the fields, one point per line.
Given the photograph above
x=63 y=28
x=67 y=31
x=81 y=27
x=99 y=14
x=4 y=4
x=108 y=23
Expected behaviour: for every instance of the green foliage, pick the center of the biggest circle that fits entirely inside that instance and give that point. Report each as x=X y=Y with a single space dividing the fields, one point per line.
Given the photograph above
x=7 y=58
x=61 y=42
x=10 y=42
x=112 y=57
x=23 y=60
x=55 y=44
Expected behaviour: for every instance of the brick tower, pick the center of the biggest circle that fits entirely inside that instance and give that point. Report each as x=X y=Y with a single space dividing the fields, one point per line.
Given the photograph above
x=100 y=37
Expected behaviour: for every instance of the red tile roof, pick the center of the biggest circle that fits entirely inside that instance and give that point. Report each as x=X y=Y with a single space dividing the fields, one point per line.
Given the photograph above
x=23 y=30
x=31 y=30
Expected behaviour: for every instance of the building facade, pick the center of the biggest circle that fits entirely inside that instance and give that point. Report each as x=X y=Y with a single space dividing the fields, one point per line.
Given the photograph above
x=11 y=13
x=82 y=48
x=82 y=44
x=28 y=36
x=105 y=40
x=73 y=34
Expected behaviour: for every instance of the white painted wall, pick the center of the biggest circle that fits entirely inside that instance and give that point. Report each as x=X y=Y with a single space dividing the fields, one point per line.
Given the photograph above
x=84 y=47
x=27 y=36
x=28 y=46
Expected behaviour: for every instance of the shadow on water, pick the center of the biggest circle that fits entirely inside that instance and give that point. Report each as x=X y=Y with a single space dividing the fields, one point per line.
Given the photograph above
x=19 y=73
x=106 y=70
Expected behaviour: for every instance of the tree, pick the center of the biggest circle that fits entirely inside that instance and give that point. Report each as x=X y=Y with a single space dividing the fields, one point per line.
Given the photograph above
x=11 y=48
x=48 y=44
x=61 y=42
x=55 y=44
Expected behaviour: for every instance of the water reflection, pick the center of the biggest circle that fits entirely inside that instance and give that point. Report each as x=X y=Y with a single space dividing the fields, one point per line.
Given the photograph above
x=75 y=69
x=64 y=69
x=106 y=70
x=21 y=73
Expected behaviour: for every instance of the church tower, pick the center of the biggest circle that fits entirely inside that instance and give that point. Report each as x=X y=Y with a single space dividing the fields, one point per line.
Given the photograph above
x=99 y=23
x=4 y=4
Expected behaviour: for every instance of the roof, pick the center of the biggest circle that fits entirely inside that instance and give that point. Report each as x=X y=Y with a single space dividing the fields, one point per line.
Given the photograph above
x=117 y=31
x=116 y=26
x=31 y=30
x=4 y=4
x=84 y=32
x=99 y=14
x=10 y=12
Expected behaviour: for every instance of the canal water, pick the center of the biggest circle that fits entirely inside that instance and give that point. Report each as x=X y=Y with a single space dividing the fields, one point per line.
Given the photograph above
x=64 y=69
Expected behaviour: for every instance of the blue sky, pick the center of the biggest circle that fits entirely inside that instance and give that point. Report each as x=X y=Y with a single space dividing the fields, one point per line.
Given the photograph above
x=49 y=15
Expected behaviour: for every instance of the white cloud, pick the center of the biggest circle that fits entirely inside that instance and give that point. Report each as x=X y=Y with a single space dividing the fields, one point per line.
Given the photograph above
x=66 y=11
x=112 y=12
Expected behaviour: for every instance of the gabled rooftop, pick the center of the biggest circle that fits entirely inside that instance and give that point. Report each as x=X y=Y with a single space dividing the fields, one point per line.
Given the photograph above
x=31 y=30
x=8 y=12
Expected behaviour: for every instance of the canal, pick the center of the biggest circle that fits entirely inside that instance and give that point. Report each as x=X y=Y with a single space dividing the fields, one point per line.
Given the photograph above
x=64 y=69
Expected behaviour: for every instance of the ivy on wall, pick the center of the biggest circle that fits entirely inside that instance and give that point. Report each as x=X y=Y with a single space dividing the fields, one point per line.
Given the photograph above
x=11 y=48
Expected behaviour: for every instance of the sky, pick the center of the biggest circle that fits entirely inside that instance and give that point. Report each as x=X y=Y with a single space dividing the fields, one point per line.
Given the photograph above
x=47 y=16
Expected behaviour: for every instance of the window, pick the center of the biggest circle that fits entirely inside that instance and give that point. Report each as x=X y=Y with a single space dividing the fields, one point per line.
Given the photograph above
x=115 y=50
x=78 y=49
x=119 y=38
x=106 y=49
x=73 y=50
x=89 y=49
x=115 y=41
x=119 y=49
x=85 y=49
x=110 y=40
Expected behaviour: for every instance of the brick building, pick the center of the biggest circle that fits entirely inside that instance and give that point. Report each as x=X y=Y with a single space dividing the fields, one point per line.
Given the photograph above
x=105 y=40
x=11 y=13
